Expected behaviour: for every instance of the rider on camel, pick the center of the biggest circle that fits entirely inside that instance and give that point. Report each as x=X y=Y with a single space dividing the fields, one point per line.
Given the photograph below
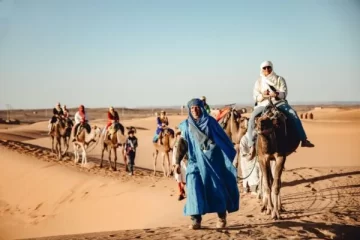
x=80 y=120
x=273 y=85
x=113 y=119
x=67 y=115
x=57 y=114
x=162 y=122
x=206 y=106
x=65 y=111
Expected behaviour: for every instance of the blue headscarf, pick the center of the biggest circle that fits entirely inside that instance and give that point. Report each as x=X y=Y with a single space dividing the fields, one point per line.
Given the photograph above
x=210 y=129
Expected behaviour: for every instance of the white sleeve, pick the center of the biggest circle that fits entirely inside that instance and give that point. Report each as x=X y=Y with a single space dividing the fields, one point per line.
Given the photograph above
x=257 y=95
x=77 y=117
x=282 y=88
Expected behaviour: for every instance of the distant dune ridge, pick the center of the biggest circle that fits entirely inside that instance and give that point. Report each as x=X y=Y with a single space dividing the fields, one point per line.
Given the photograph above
x=42 y=197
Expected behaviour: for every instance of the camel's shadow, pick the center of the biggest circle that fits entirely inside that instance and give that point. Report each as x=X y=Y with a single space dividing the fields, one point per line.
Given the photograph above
x=319 y=178
x=300 y=230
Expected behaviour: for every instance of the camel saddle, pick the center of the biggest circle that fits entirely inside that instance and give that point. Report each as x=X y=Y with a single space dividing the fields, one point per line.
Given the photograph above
x=223 y=117
x=113 y=130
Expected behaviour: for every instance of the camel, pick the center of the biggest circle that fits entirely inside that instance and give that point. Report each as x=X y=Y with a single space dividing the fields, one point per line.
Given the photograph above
x=81 y=143
x=235 y=127
x=311 y=116
x=114 y=138
x=61 y=130
x=276 y=139
x=165 y=149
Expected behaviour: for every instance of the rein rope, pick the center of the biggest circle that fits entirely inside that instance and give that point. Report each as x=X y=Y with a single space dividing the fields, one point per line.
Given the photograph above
x=94 y=145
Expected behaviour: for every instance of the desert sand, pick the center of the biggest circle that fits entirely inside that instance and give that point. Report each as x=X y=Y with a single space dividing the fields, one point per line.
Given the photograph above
x=43 y=197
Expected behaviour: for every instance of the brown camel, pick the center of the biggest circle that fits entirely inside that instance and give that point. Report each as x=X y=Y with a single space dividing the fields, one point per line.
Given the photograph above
x=311 y=116
x=164 y=147
x=81 y=143
x=114 y=138
x=276 y=139
x=235 y=127
x=61 y=130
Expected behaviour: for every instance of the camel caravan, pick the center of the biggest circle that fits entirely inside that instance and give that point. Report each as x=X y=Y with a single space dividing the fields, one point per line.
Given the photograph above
x=261 y=142
x=85 y=138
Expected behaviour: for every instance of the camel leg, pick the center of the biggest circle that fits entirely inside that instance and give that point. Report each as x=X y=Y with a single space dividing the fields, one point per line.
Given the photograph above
x=155 y=157
x=110 y=165
x=52 y=144
x=66 y=145
x=124 y=157
x=57 y=148
x=59 y=153
x=167 y=158
x=261 y=190
x=163 y=163
x=264 y=165
x=76 y=159
x=84 y=157
x=275 y=191
x=102 y=156
x=115 y=158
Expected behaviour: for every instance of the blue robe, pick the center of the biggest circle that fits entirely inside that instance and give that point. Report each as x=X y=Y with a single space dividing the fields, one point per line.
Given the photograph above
x=210 y=175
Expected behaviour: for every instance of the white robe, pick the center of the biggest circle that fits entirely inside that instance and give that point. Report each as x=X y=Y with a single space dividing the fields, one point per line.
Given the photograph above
x=247 y=166
x=78 y=117
x=264 y=83
x=182 y=176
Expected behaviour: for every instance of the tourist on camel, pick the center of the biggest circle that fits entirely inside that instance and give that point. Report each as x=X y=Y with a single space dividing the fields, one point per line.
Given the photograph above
x=65 y=111
x=162 y=122
x=113 y=119
x=57 y=114
x=81 y=119
x=67 y=115
x=206 y=106
x=272 y=85
x=211 y=178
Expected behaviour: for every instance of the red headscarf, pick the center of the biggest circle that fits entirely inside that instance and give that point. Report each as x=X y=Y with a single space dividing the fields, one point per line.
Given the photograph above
x=82 y=112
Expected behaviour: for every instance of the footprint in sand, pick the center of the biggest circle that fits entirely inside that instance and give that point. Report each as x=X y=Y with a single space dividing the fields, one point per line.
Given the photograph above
x=38 y=206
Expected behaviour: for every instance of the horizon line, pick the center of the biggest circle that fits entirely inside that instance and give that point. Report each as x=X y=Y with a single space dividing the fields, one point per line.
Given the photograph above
x=298 y=103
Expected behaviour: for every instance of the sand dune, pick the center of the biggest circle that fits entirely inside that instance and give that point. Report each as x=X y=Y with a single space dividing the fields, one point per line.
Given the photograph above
x=40 y=196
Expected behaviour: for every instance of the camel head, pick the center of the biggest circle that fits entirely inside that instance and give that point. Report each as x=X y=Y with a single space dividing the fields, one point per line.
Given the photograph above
x=168 y=132
x=264 y=125
x=62 y=123
x=269 y=121
x=243 y=121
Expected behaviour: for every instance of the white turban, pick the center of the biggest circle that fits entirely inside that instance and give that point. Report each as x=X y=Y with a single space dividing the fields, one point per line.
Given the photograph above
x=266 y=64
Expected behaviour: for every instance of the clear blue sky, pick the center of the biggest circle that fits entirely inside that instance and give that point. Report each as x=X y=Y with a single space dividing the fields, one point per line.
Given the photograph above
x=146 y=53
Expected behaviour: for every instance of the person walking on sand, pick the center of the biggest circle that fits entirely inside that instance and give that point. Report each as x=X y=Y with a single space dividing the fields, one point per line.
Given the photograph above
x=211 y=178
x=249 y=168
x=180 y=174
x=130 y=149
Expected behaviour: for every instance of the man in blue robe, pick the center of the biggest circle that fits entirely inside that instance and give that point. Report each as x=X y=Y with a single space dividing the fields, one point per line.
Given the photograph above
x=210 y=175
